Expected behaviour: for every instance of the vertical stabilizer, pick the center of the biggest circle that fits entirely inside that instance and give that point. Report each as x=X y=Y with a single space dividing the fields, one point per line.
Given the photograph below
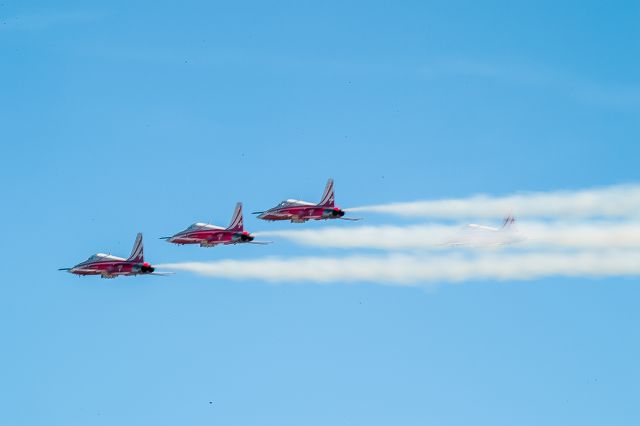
x=509 y=222
x=327 y=197
x=137 y=253
x=236 y=219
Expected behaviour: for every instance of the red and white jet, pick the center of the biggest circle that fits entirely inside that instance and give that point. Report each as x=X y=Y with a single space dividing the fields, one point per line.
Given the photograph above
x=108 y=266
x=301 y=211
x=208 y=235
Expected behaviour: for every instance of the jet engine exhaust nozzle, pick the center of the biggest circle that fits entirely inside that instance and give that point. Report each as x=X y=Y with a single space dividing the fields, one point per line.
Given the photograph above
x=146 y=268
x=245 y=237
x=336 y=212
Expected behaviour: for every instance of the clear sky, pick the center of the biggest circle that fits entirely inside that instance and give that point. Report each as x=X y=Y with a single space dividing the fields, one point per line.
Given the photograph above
x=127 y=116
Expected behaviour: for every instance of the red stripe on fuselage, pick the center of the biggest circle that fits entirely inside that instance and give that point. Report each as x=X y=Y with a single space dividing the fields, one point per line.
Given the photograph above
x=197 y=237
x=286 y=213
x=116 y=268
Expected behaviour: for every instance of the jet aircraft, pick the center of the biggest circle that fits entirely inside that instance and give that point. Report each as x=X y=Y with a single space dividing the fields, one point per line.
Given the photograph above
x=475 y=235
x=108 y=266
x=301 y=211
x=208 y=235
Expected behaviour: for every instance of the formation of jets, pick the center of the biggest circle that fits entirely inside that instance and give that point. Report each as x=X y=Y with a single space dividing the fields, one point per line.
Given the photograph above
x=208 y=235
x=295 y=211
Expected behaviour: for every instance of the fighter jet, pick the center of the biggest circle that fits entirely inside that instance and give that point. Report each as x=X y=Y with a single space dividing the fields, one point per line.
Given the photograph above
x=301 y=211
x=208 y=235
x=108 y=266
x=474 y=235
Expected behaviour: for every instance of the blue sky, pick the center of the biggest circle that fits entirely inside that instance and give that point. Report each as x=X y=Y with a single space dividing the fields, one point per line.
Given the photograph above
x=123 y=117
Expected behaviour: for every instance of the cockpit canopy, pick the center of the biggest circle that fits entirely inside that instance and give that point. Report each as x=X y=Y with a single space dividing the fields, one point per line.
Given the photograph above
x=203 y=226
x=101 y=257
x=293 y=203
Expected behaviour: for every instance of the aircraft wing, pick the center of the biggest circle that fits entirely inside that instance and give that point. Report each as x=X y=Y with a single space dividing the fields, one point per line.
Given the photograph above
x=277 y=214
x=316 y=217
x=164 y=274
x=203 y=241
x=212 y=242
x=453 y=244
x=194 y=240
x=88 y=271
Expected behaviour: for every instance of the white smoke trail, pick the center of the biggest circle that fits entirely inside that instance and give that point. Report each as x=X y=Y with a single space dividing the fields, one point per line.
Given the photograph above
x=603 y=240
x=613 y=201
x=536 y=234
x=387 y=237
x=422 y=270
x=585 y=235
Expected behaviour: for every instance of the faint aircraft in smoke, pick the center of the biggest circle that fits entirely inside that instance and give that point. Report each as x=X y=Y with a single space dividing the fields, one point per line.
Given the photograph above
x=474 y=235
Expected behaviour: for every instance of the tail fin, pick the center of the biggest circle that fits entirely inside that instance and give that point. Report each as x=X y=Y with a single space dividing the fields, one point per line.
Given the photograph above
x=236 y=220
x=137 y=254
x=508 y=222
x=327 y=199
